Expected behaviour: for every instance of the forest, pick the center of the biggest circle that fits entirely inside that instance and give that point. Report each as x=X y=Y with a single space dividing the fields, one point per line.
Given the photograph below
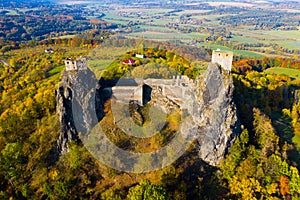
x=263 y=162
x=40 y=21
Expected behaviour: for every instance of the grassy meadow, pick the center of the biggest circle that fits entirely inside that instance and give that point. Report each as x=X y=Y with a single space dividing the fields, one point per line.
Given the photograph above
x=292 y=73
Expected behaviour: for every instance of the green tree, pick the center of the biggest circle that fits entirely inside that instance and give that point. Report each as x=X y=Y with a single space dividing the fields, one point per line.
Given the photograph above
x=111 y=194
x=147 y=191
x=265 y=133
x=11 y=165
x=237 y=153
x=74 y=156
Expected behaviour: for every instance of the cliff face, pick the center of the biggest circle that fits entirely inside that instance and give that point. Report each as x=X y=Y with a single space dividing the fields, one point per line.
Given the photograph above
x=214 y=123
x=71 y=106
x=218 y=124
x=64 y=109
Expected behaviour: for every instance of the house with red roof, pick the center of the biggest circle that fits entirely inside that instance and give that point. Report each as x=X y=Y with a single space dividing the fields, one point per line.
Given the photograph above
x=129 y=62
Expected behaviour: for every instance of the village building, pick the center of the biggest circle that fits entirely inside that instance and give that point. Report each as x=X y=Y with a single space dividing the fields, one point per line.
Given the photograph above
x=50 y=50
x=129 y=62
x=140 y=56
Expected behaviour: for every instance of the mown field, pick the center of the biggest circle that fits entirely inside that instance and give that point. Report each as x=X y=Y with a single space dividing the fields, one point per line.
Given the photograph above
x=236 y=52
x=292 y=73
x=286 y=38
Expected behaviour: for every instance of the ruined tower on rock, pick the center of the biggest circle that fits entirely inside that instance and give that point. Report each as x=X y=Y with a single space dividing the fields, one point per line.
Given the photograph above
x=78 y=64
x=223 y=58
x=72 y=86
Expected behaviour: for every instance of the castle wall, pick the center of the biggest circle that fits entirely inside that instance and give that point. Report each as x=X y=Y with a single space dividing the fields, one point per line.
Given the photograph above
x=176 y=81
x=132 y=90
x=125 y=94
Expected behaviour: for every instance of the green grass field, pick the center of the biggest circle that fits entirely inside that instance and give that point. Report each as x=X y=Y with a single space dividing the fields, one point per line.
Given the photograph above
x=95 y=65
x=294 y=45
x=99 y=64
x=247 y=54
x=157 y=35
x=236 y=52
x=292 y=73
x=288 y=39
x=154 y=28
x=55 y=74
x=245 y=39
x=64 y=37
x=294 y=34
x=56 y=70
x=11 y=12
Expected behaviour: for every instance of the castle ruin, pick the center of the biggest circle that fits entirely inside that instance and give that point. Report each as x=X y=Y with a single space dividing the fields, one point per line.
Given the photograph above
x=132 y=90
x=75 y=65
x=128 y=90
x=223 y=58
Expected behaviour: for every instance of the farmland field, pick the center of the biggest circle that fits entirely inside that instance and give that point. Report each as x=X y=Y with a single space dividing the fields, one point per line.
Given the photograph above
x=11 y=12
x=99 y=64
x=285 y=38
x=292 y=73
x=230 y=4
x=236 y=52
x=166 y=36
x=186 y=25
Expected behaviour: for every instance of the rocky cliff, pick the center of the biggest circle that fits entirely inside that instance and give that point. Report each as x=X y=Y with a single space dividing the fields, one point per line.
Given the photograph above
x=214 y=123
x=71 y=106
x=64 y=109
x=218 y=124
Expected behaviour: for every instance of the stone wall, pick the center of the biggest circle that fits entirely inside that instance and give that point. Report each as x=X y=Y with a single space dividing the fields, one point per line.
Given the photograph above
x=132 y=89
x=125 y=94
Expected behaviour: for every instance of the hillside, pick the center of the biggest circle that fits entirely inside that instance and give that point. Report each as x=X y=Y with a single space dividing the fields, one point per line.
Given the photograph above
x=149 y=100
x=262 y=163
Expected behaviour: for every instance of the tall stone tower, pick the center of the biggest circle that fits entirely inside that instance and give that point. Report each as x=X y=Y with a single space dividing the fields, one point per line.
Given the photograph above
x=223 y=58
x=78 y=64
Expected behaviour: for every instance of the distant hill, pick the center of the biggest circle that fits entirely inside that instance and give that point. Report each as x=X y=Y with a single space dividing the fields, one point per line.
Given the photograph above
x=24 y=3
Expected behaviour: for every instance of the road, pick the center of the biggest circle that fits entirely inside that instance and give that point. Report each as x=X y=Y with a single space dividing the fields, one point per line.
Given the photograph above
x=5 y=63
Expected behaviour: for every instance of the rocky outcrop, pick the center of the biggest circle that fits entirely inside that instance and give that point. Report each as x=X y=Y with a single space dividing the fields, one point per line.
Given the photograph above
x=218 y=124
x=64 y=109
x=69 y=102
x=208 y=101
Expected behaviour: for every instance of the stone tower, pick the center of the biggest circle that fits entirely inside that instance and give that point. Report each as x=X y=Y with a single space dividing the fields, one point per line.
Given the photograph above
x=223 y=58
x=78 y=64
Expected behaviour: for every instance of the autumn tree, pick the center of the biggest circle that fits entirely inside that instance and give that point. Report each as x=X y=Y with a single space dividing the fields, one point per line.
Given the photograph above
x=146 y=190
